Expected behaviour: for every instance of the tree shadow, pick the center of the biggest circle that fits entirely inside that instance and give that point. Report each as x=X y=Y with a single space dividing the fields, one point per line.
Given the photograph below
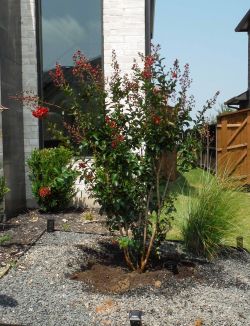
x=181 y=186
x=7 y=301
x=108 y=254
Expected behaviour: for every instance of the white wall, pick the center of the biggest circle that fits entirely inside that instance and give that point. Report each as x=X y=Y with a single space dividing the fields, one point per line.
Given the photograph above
x=29 y=79
x=124 y=32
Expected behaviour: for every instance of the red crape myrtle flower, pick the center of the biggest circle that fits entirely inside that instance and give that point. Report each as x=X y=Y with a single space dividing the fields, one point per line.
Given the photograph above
x=174 y=74
x=147 y=74
x=149 y=61
x=112 y=124
x=82 y=165
x=114 y=144
x=44 y=192
x=40 y=112
x=117 y=140
x=156 y=119
x=57 y=76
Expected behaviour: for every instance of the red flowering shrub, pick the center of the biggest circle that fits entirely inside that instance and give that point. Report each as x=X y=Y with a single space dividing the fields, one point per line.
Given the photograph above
x=134 y=121
x=52 y=167
x=40 y=112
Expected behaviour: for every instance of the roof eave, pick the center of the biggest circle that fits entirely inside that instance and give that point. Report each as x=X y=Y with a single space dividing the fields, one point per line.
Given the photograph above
x=244 y=24
x=237 y=100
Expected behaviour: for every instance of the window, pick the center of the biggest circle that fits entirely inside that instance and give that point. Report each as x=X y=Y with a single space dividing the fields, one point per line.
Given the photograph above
x=67 y=26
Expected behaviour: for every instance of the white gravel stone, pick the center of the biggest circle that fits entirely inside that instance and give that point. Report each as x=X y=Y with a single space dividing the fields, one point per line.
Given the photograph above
x=37 y=292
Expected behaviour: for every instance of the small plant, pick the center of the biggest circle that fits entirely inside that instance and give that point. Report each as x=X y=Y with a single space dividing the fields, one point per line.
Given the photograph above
x=66 y=227
x=4 y=238
x=211 y=215
x=88 y=216
x=52 y=178
x=3 y=188
x=13 y=264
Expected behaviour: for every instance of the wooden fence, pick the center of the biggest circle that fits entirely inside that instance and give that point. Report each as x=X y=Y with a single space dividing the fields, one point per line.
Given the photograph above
x=233 y=145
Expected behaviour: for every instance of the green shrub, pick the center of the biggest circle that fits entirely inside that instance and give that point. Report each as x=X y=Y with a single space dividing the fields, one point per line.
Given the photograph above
x=52 y=178
x=211 y=215
x=3 y=188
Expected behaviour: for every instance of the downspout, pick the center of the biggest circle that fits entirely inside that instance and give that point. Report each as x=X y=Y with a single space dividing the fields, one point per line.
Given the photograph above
x=147 y=27
x=39 y=64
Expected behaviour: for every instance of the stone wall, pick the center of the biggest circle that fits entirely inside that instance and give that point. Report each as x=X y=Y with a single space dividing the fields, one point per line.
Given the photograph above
x=30 y=82
x=124 y=32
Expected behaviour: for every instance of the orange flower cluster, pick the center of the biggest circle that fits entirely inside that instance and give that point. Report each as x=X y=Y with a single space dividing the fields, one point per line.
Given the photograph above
x=40 y=112
x=44 y=192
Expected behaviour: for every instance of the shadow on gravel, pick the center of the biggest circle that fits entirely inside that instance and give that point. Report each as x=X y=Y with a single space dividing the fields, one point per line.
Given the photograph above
x=6 y=301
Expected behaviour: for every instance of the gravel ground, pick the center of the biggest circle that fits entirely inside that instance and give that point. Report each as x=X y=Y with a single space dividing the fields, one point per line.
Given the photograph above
x=36 y=292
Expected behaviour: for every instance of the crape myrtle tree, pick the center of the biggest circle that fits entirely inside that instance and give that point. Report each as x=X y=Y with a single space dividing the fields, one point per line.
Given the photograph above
x=132 y=120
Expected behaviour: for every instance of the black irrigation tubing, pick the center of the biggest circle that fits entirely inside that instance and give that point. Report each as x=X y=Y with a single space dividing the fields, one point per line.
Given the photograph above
x=2 y=324
x=89 y=233
x=62 y=231
x=33 y=242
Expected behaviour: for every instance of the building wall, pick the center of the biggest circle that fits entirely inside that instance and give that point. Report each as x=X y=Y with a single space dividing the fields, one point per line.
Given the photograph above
x=29 y=80
x=124 y=32
x=1 y=131
x=12 y=119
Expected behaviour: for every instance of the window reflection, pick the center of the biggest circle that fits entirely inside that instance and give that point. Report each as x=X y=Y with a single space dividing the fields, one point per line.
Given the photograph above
x=67 y=26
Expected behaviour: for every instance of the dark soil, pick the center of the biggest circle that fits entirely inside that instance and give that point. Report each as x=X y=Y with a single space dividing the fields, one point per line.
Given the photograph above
x=106 y=272
x=26 y=228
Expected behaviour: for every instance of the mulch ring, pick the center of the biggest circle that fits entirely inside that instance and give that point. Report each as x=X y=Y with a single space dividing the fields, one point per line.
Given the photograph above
x=106 y=272
x=19 y=233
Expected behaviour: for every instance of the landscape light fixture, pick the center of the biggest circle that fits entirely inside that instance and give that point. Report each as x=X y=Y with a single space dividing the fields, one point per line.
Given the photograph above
x=239 y=243
x=135 y=317
x=50 y=225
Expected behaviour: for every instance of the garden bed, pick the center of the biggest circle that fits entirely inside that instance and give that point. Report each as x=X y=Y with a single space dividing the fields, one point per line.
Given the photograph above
x=105 y=271
x=39 y=291
x=20 y=232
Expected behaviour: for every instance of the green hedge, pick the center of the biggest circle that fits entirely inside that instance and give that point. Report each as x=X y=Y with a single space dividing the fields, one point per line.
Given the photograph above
x=52 y=178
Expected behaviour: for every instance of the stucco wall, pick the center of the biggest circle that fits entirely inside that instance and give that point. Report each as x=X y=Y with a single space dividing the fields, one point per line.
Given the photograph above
x=29 y=80
x=124 y=32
